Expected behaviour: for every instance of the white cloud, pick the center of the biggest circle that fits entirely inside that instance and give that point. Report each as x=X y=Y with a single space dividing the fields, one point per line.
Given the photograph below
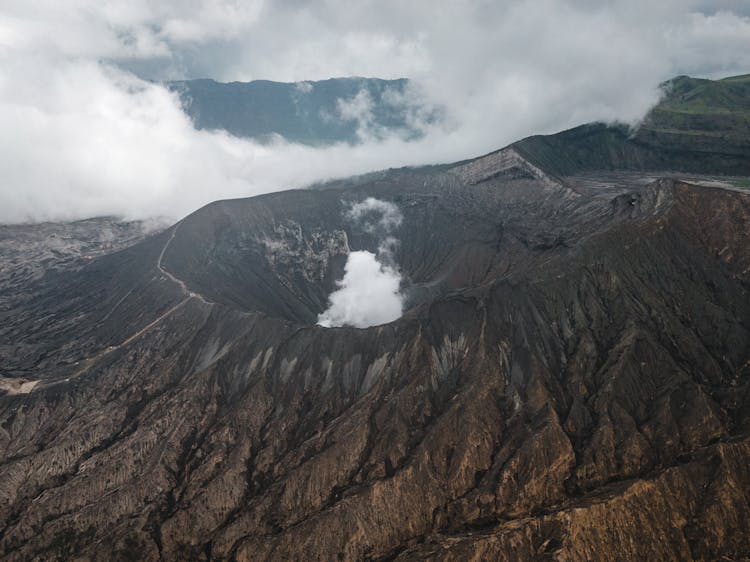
x=81 y=136
x=359 y=109
x=368 y=295
x=370 y=292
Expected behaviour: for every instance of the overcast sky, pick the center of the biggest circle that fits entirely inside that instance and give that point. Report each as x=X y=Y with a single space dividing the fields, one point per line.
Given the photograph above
x=84 y=132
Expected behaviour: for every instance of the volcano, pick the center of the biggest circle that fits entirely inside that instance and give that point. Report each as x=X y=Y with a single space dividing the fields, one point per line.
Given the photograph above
x=569 y=380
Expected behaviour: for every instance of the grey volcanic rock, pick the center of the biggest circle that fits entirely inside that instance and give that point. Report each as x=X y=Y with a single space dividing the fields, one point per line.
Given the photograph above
x=28 y=250
x=31 y=253
x=571 y=380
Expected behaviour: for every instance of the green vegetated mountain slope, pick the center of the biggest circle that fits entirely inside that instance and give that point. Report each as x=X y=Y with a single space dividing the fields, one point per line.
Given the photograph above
x=316 y=112
x=700 y=126
x=699 y=96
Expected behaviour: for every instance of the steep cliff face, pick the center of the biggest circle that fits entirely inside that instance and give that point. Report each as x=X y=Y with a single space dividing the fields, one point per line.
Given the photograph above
x=570 y=381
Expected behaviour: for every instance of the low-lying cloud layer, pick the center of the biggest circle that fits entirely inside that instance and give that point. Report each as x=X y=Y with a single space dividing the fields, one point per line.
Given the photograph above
x=83 y=130
x=370 y=292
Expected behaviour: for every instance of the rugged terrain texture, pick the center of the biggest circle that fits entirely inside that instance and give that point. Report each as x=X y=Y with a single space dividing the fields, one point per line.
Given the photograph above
x=571 y=380
x=29 y=252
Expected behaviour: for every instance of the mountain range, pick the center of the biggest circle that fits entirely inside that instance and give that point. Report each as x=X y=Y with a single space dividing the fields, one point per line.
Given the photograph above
x=317 y=113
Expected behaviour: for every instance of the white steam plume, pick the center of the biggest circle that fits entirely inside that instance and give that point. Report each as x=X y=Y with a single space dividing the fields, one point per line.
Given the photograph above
x=368 y=295
x=370 y=292
x=375 y=215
